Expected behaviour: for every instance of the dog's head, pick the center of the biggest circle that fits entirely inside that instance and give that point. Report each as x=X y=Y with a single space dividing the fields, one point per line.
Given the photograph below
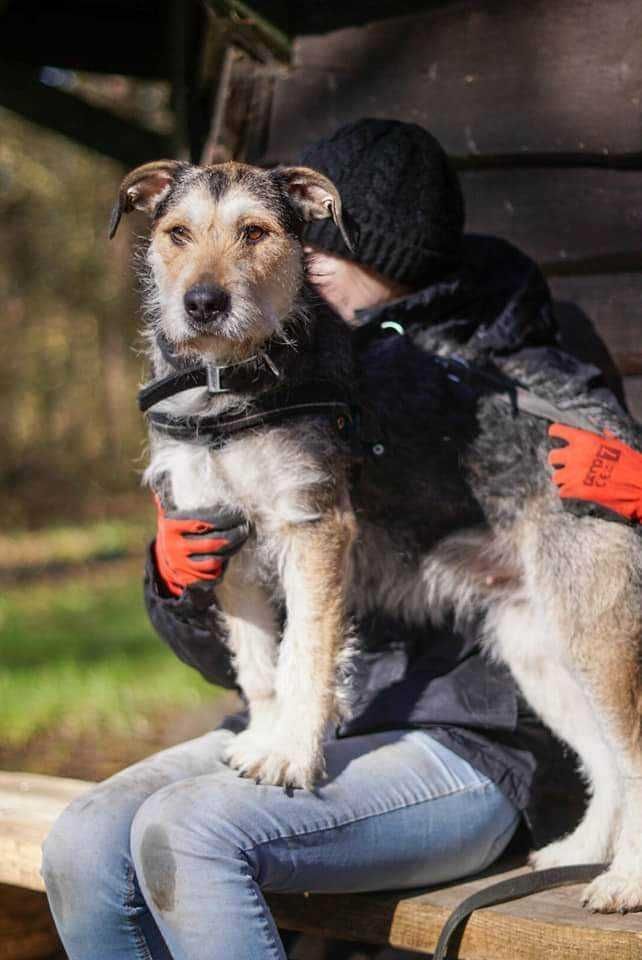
x=225 y=253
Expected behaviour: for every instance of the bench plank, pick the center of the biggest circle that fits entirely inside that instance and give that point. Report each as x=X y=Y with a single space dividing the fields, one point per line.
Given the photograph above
x=548 y=925
x=29 y=805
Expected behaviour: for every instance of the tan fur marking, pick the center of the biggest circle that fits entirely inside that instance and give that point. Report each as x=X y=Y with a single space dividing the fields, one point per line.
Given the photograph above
x=263 y=278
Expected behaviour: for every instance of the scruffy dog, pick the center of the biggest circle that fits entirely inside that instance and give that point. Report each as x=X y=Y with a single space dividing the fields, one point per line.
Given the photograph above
x=442 y=521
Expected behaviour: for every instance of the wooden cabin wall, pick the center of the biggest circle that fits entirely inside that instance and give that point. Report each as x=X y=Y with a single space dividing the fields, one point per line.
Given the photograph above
x=538 y=104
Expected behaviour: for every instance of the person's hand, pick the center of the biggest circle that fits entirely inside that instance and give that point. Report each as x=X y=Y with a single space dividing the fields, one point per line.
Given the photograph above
x=194 y=548
x=601 y=469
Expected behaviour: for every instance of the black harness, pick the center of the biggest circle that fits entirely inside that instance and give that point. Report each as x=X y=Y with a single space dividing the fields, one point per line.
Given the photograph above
x=316 y=397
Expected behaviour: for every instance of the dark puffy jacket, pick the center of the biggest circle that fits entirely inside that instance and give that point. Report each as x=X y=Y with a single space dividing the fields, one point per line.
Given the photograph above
x=497 y=305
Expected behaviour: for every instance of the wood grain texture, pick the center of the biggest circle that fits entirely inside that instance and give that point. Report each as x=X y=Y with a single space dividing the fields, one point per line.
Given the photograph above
x=561 y=218
x=492 y=78
x=614 y=304
x=548 y=926
x=29 y=805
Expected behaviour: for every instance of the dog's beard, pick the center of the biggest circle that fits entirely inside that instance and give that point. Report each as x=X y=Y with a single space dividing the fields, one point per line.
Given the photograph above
x=248 y=326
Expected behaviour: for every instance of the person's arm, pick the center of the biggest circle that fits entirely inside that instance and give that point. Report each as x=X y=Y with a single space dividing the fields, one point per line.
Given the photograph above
x=599 y=469
x=185 y=562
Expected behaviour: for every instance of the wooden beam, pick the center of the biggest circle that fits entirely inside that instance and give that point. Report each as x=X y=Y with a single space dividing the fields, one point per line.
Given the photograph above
x=23 y=93
x=127 y=37
x=251 y=30
x=486 y=79
x=570 y=221
x=547 y=926
x=29 y=805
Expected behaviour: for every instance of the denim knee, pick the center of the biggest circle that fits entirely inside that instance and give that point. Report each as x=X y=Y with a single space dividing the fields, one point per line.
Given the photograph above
x=85 y=858
x=186 y=819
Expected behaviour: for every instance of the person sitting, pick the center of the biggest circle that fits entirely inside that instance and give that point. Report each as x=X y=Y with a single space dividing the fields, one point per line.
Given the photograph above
x=441 y=759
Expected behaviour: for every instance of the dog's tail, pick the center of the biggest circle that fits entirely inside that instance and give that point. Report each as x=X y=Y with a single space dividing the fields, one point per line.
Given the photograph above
x=463 y=575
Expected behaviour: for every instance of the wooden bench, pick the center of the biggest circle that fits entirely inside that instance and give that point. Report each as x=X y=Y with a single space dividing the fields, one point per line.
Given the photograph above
x=546 y=926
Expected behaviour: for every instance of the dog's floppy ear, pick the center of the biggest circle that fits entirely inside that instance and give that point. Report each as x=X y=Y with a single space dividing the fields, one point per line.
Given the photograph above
x=143 y=189
x=316 y=197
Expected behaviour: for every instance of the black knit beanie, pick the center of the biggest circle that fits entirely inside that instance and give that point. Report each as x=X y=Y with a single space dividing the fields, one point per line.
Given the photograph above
x=397 y=183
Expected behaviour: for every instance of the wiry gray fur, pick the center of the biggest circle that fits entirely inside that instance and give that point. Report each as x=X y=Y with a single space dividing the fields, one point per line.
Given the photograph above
x=458 y=514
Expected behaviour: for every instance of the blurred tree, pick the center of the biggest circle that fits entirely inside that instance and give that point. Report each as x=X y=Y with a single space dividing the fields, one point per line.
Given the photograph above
x=68 y=372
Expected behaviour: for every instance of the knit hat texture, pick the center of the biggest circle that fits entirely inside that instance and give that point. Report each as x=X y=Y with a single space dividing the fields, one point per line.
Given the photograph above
x=397 y=183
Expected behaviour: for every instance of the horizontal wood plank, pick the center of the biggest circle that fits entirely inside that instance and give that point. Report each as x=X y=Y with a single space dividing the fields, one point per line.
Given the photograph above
x=546 y=926
x=614 y=304
x=29 y=805
x=69 y=115
x=493 y=78
x=567 y=220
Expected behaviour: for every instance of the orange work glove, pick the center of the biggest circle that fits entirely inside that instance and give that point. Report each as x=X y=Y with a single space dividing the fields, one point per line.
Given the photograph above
x=597 y=468
x=196 y=547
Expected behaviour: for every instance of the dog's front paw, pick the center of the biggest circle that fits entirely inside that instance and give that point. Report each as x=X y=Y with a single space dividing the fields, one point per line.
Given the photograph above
x=614 y=892
x=270 y=762
x=569 y=851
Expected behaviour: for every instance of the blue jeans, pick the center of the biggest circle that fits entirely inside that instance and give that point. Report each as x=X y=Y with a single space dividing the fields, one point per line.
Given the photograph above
x=171 y=857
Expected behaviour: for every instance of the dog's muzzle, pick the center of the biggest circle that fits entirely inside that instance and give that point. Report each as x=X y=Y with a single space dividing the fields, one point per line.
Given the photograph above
x=205 y=304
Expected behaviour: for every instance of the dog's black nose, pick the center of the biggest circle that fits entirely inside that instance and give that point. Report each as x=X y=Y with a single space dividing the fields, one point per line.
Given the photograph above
x=205 y=301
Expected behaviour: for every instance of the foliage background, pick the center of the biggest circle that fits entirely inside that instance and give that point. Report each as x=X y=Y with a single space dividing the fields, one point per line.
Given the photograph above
x=68 y=369
x=85 y=684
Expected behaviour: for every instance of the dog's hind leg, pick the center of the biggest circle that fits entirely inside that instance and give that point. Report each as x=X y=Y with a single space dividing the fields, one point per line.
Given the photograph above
x=526 y=641
x=618 y=697
x=584 y=585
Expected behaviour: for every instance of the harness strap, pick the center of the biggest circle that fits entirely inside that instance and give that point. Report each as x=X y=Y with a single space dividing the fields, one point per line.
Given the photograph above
x=217 y=379
x=539 y=407
x=512 y=889
x=511 y=392
x=157 y=390
x=319 y=397
x=217 y=429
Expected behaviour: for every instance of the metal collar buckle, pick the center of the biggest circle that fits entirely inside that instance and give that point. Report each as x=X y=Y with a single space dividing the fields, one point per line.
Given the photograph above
x=213 y=374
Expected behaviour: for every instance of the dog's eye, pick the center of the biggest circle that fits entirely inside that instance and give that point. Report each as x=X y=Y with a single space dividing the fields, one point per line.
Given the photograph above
x=254 y=233
x=179 y=235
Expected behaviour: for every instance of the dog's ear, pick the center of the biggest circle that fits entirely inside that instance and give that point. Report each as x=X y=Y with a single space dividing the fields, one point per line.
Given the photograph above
x=143 y=189
x=316 y=197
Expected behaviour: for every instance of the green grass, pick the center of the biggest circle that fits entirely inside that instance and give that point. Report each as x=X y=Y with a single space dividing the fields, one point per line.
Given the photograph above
x=66 y=544
x=79 y=655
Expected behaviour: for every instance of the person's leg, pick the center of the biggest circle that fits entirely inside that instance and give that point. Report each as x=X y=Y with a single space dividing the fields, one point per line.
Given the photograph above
x=91 y=885
x=397 y=810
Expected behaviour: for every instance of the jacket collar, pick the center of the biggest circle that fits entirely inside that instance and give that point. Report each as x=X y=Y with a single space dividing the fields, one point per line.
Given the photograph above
x=496 y=301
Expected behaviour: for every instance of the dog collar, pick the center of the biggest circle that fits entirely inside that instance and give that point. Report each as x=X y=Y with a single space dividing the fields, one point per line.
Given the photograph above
x=311 y=398
x=243 y=375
